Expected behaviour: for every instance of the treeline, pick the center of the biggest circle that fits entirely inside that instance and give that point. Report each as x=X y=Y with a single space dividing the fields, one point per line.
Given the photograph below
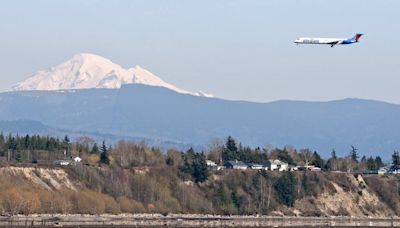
x=34 y=142
x=45 y=149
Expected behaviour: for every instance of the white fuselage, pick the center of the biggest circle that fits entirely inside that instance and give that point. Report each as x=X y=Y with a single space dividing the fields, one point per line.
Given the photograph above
x=311 y=40
x=330 y=41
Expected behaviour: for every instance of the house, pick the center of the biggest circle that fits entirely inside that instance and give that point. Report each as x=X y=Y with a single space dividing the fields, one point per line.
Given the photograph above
x=278 y=165
x=64 y=162
x=236 y=165
x=256 y=166
x=397 y=171
x=77 y=159
x=300 y=168
x=211 y=163
x=213 y=166
x=383 y=170
x=267 y=165
x=394 y=171
x=313 y=168
x=61 y=162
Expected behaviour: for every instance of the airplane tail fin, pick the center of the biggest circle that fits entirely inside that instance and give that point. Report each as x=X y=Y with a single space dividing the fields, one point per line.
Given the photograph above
x=357 y=36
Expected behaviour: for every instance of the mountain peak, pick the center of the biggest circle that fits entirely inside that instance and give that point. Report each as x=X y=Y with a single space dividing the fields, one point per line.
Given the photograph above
x=88 y=56
x=86 y=70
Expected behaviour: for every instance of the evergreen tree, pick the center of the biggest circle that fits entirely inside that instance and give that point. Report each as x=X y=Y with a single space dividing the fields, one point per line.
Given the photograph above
x=235 y=199
x=284 y=155
x=169 y=161
x=305 y=185
x=194 y=164
x=371 y=165
x=354 y=153
x=231 y=144
x=221 y=195
x=95 y=149
x=104 y=159
x=230 y=150
x=333 y=154
x=2 y=141
x=331 y=164
x=18 y=156
x=199 y=168
x=190 y=153
x=186 y=167
x=285 y=188
x=66 y=140
x=317 y=160
x=395 y=161
x=11 y=143
x=378 y=162
x=363 y=159
x=27 y=142
x=66 y=144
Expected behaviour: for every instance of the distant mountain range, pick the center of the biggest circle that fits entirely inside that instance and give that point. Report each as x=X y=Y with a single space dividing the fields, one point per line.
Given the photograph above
x=157 y=113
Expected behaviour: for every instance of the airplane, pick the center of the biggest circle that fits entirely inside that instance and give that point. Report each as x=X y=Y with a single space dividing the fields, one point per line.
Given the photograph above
x=329 y=41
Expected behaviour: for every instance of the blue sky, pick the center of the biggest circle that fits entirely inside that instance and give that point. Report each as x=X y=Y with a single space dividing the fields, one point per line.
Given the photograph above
x=233 y=49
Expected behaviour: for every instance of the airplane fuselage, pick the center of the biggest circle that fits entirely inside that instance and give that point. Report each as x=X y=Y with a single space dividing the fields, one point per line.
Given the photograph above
x=329 y=41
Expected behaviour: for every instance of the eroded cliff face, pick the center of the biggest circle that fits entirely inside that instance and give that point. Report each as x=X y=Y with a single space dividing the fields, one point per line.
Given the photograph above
x=354 y=199
x=46 y=178
x=83 y=189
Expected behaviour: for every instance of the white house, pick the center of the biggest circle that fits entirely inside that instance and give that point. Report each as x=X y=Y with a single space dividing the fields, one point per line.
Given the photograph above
x=211 y=163
x=313 y=168
x=396 y=171
x=383 y=170
x=256 y=166
x=213 y=166
x=278 y=165
x=77 y=159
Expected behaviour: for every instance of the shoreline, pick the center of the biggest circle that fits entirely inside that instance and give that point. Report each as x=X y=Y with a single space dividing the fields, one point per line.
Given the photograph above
x=190 y=220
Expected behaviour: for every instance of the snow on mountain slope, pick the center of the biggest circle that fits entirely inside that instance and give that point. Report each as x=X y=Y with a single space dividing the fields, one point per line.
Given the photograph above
x=85 y=70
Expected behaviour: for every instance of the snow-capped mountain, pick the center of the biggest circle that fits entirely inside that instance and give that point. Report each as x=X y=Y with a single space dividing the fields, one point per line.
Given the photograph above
x=85 y=71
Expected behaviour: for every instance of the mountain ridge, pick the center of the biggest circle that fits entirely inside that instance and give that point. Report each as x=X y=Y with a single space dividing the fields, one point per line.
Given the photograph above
x=137 y=110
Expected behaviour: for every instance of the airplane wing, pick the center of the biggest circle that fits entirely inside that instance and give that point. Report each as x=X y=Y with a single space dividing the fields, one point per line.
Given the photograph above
x=333 y=43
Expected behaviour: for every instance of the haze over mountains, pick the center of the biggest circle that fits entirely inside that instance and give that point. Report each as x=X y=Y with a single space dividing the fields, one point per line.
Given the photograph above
x=140 y=105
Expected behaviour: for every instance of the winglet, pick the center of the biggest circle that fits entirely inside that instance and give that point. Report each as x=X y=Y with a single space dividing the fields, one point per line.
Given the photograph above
x=357 y=36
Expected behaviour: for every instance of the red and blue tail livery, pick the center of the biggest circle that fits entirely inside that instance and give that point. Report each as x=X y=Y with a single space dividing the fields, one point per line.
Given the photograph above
x=329 y=41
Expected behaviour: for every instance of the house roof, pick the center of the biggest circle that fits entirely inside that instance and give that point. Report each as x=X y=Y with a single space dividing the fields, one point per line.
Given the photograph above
x=254 y=164
x=237 y=163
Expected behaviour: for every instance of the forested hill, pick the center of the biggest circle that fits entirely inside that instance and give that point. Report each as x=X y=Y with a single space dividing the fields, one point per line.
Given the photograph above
x=135 y=178
x=164 y=115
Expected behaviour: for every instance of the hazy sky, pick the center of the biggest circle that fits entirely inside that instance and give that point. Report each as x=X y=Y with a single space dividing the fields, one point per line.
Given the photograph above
x=232 y=49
